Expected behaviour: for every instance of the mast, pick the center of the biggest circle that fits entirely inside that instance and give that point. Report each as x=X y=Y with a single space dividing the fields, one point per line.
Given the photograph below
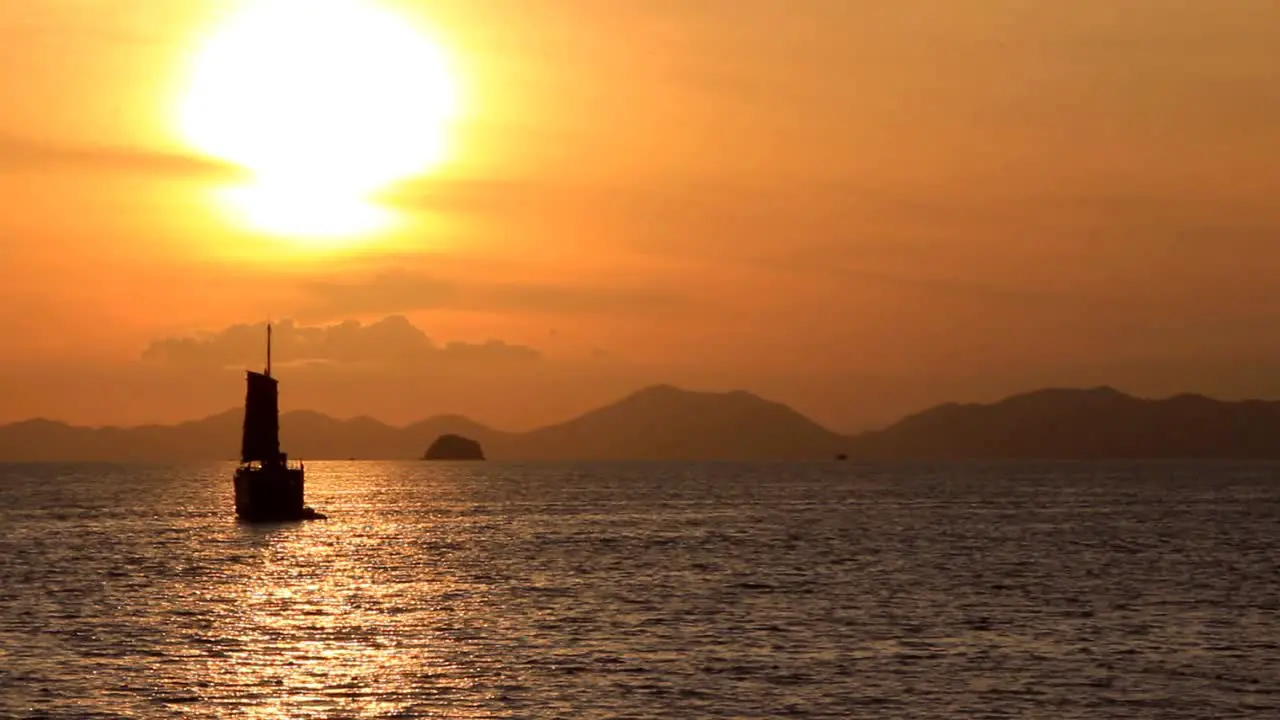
x=268 y=373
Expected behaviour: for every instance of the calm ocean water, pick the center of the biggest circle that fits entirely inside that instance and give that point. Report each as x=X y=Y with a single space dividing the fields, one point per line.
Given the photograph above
x=834 y=590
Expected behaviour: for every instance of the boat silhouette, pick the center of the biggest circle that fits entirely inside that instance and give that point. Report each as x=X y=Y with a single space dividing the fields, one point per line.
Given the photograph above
x=268 y=487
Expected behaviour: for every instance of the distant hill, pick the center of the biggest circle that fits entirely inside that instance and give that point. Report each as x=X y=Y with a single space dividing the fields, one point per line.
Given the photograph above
x=303 y=434
x=657 y=423
x=668 y=423
x=1096 y=423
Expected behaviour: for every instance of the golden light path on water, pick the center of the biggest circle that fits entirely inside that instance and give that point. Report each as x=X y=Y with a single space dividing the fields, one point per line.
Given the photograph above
x=325 y=103
x=322 y=615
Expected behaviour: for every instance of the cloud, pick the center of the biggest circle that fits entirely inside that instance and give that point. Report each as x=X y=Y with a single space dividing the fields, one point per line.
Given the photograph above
x=387 y=369
x=390 y=342
x=18 y=153
x=405 y=291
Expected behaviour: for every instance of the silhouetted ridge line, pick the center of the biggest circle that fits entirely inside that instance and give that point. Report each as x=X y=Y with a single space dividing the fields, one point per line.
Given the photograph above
x=663 y=422
x=1097 y=423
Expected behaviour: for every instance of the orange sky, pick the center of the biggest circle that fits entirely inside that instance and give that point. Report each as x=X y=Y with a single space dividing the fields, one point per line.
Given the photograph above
x=859 y=208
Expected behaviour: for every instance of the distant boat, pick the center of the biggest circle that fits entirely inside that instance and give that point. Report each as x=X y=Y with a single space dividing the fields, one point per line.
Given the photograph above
x=268 y=488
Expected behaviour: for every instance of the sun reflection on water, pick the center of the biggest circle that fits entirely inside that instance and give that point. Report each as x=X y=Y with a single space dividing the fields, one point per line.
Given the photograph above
x=338 y=616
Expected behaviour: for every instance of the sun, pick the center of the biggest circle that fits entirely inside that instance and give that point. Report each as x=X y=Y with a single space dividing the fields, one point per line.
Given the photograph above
x=325 y=103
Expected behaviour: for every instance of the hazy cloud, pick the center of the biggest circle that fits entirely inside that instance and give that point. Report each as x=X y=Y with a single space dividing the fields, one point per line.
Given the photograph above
x=392 y=341
x=405 y=291
x=17 y=153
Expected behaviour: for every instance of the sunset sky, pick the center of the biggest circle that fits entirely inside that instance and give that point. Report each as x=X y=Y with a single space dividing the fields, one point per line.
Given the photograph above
x=519 y=210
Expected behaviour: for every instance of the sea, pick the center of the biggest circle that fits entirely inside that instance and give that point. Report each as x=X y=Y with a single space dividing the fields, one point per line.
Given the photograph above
x=646 y=590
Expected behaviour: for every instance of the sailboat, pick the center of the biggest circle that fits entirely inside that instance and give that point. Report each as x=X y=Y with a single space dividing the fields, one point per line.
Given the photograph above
x=268 y=487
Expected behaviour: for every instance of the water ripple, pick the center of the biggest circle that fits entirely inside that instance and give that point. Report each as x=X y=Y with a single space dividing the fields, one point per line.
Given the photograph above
x=1068 y=590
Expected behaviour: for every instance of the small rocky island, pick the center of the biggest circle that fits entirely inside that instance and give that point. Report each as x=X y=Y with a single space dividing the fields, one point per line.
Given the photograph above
x=454 y=447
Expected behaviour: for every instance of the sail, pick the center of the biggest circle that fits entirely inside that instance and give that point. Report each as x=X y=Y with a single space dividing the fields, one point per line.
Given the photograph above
x=261 y=440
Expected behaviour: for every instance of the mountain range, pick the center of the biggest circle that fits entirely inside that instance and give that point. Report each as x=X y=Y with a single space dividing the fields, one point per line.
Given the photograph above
x=668 y=423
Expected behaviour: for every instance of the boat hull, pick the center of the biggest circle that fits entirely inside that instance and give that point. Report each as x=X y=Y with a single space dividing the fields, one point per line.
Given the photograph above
x=271 y=494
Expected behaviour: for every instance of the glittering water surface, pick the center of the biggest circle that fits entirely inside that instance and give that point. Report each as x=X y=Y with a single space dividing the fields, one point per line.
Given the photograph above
x=646 y=590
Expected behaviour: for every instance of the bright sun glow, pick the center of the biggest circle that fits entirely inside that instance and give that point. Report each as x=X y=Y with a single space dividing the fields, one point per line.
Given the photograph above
x=325 y=102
